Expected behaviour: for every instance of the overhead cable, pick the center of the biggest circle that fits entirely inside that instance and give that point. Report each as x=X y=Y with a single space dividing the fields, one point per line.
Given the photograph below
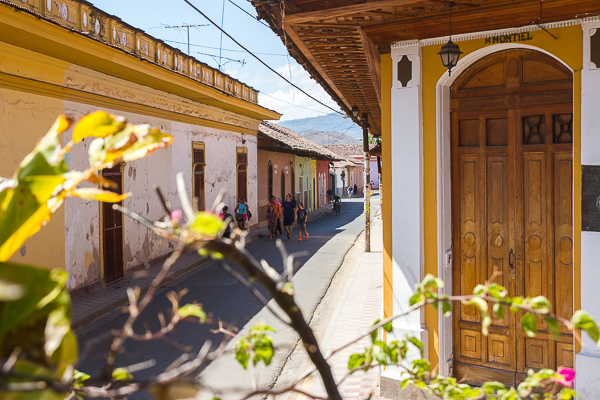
x=261 y=61
x=216 y=48
x=256 y=19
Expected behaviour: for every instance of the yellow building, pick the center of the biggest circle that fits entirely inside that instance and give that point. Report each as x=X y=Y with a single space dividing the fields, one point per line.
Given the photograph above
x=495 y=166
x=70 y=57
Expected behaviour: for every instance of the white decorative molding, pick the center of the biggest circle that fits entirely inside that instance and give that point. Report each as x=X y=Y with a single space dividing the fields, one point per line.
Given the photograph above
x=488 y=34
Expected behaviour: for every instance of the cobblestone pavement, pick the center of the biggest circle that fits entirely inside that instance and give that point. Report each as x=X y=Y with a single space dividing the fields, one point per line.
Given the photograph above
x=359 y=306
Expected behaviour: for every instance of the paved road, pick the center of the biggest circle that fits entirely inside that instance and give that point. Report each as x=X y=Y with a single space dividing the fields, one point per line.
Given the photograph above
x=224 y=298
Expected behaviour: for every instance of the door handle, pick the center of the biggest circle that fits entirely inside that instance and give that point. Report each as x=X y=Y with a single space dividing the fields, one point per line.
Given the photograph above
x=511 y=262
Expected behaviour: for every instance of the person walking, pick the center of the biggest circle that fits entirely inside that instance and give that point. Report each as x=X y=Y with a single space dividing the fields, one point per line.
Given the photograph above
x=272 y=220
x=329 y=195
x=355 y=191
x=289 y=214
x=302 y=217
x=242 y=214
x=227 y=219
x=277 y=209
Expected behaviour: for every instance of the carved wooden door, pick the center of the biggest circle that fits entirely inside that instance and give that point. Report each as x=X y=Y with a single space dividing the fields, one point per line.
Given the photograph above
x=512 y=207
x=112 y=231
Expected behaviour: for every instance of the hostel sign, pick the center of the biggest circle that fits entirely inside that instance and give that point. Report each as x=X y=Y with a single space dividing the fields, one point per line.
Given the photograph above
x=509 y=38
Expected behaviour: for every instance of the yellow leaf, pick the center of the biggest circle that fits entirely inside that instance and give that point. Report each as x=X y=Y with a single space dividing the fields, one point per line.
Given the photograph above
x=98 y=124
x=24 y=232
x=98 y=194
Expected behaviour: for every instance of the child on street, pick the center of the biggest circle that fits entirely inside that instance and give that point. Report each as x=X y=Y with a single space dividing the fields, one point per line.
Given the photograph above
x=302 y=217
x=272 y=219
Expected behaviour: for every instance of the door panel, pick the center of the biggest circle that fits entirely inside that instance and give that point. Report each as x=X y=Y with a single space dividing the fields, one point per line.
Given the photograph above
x=512 y=180
x=112 y=231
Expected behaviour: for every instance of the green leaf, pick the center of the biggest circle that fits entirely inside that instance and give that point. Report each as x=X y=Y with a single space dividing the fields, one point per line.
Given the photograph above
x=388 y=327
x=480 y=303
x=206 y=224
x=485 y=324
x=499 y=310
x=553 y=326
x=497 y=291
x=79 y=377
x=241 y=353
x=356 y=361
x=431 y=281
x=416 y=298
x=528 y=324
x=121 y=374
x=479 y=290
x=515 y=300
x=417 y=343
x=541 y=303
x=582 y=320
x=194 y=310
x=446 y=308
x=263 y=350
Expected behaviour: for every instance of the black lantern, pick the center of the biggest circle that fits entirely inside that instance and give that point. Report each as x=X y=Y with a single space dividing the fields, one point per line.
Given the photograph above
x=450 y=53
x=355 y=111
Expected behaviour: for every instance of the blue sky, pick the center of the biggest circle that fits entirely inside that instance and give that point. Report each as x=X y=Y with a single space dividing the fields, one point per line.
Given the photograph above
x=153 y=15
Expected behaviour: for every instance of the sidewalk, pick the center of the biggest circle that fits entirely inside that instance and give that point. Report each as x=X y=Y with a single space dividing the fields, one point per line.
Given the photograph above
x=359 y=306
x=96 y=304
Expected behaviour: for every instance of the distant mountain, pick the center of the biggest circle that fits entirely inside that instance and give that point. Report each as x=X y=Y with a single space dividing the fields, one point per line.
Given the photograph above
x=329 y=124
x=320 y=137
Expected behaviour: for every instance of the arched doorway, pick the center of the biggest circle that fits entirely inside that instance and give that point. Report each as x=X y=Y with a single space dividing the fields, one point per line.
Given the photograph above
x=512 y=180
x=270 y=179
x=293 y=181
x=282 y=185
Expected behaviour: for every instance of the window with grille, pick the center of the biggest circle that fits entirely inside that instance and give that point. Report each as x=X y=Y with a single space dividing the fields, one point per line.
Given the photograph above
x=198 y=164
x=242 y=172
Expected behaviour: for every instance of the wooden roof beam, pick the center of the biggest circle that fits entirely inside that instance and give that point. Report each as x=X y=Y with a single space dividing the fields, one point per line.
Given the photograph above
x=326 y=13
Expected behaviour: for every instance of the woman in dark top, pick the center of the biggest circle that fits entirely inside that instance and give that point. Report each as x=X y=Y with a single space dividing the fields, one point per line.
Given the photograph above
x=289 y=214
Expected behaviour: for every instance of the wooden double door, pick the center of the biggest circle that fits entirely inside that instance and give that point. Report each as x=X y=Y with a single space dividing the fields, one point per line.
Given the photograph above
x=112 y=230
x=512 y=180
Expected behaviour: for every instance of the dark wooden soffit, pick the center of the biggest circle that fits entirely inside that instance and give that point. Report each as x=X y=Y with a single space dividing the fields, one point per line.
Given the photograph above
x=338 y=41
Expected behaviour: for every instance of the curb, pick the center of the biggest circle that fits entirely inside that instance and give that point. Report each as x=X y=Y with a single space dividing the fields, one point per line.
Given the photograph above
x=124 y=300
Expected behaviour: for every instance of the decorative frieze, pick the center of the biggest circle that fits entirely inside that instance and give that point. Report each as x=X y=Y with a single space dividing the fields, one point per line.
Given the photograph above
x=83 y=17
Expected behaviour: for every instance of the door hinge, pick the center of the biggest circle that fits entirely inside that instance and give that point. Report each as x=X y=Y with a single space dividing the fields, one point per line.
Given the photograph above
x=449 y=259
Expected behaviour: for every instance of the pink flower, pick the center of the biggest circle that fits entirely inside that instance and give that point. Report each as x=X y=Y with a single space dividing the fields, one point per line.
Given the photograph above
x=176 y=216
x=564 y=376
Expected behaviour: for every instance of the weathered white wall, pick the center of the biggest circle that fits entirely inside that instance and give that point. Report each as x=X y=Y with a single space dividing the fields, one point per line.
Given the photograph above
x=220 y=158
x=587 y=361
x=82 y=225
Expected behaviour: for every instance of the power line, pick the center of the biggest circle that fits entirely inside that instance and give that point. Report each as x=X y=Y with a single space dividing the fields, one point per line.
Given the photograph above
x=292 y=104
x=221 y=29
x=214 y=57
x=187 y=27
x=254 y=18
x=217 y=48
x=261 y=61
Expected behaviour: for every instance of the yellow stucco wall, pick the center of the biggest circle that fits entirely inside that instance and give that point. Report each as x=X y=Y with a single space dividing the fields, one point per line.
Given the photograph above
x=386 y=177
x=24 y=118
x=568 y=48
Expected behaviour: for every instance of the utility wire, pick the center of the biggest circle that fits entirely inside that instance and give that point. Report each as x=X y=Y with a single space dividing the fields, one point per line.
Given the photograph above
x=292 y=104
x=261 y=61
x=254 y=18
x=217 y=48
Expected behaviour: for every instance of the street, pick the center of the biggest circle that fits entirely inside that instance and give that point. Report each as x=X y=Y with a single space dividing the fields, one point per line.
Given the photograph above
x=223 y=298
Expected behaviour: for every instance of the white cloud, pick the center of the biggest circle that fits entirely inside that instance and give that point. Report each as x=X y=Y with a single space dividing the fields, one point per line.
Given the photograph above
x=278 y=95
